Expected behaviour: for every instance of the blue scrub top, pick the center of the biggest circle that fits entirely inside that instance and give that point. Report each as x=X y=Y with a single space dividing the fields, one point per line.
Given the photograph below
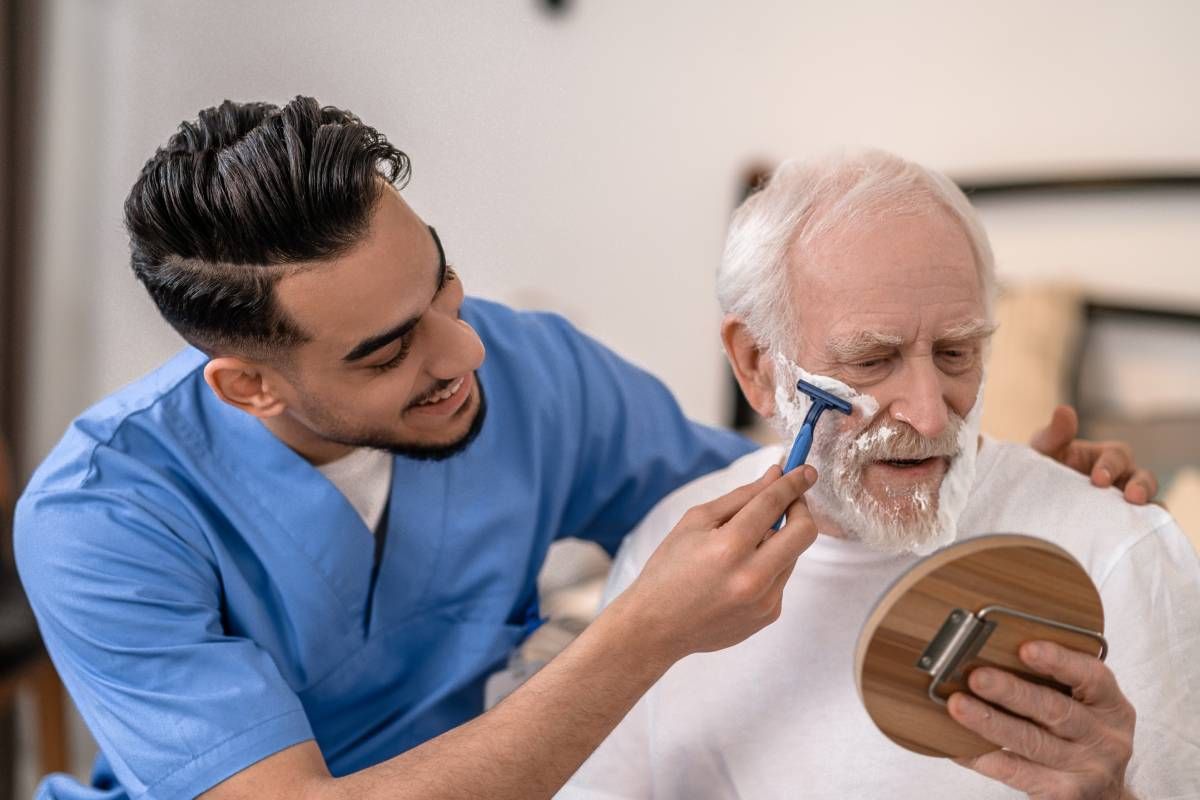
x=205 y=592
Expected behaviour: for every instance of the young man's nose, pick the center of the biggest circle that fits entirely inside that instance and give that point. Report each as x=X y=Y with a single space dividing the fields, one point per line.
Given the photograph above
x=454 y=347
x=920 y=401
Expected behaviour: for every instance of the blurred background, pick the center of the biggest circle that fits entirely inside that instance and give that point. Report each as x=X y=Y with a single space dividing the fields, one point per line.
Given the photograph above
x=584 y=156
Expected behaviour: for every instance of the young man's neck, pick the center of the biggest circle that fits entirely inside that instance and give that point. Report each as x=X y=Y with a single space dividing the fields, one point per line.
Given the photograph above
x=317 y=450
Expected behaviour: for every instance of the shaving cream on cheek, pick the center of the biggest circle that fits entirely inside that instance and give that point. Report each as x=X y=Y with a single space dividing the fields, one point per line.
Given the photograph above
x=791 y=404
x=956 y=485
x=840 y=496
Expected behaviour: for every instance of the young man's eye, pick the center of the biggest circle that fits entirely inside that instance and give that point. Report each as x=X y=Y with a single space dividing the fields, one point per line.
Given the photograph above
x=448 y=277
x=395 y=360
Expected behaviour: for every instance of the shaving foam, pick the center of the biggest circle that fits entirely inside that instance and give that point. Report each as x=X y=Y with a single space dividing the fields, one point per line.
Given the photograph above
x=838 y=498
x=956 y=486
x=791 y=404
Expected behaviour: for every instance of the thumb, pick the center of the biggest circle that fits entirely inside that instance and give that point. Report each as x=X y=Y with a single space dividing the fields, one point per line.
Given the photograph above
x=1063 y=427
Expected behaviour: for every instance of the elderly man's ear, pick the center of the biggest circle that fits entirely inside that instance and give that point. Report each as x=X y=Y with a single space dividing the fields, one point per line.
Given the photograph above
x=752 y=365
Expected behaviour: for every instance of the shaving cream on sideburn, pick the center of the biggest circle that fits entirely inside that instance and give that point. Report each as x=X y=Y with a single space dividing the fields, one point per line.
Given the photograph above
x=791 y=404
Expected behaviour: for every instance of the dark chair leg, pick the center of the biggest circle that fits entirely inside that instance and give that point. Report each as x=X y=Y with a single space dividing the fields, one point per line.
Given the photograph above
x=8 y=752
x=52 y=719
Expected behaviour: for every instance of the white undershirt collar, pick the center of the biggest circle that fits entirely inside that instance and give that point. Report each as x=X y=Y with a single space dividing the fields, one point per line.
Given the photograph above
x=364 y=476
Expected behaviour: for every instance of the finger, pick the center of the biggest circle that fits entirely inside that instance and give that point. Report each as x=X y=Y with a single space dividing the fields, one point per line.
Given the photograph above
x=1009 y=769
x=1141 y=487
x=1061 y=715
x=779 y=584
x=1016 y=735
x=716 y=513
x=778 y=553
x=1054 y=438
x=1091 y=682
x=755 y=518
x=1114 y=463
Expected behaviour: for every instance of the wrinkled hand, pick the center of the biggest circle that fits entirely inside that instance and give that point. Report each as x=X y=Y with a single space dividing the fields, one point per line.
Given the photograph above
x=718 y=576
x=1108 y=463
x=1081 y=744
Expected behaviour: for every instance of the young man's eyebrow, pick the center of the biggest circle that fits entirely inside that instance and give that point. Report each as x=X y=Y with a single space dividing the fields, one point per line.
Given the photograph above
x=368 y=346
x=373 y=343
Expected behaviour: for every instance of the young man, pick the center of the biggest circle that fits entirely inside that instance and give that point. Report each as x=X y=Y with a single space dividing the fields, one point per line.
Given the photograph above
x=299 y=548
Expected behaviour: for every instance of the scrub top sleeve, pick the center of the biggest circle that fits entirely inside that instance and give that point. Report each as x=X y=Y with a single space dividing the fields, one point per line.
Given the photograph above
x=129 y=605
x=1151 y=597
x=632 y=444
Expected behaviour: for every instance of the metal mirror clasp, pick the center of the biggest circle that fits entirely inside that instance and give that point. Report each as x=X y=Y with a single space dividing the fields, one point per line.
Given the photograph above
x=963 y=634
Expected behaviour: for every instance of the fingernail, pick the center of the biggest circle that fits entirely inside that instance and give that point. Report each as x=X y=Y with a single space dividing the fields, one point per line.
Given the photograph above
x=970 y=707
x=810 y=475
x=1105 y=475
x=1035 y=652
x=984 y=680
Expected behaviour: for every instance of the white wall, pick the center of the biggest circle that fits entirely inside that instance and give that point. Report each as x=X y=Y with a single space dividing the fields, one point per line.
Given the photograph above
x=588 y=163
x=584 y=163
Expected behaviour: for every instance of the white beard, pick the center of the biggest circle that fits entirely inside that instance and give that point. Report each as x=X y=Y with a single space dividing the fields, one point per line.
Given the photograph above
x=912 y=521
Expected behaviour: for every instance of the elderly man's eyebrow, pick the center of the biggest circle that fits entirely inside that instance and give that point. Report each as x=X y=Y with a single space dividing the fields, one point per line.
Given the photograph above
x=856 y=345
x=373 y=343
x=969 y=331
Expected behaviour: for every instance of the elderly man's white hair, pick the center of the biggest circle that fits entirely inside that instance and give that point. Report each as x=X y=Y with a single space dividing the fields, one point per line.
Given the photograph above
x=805 y=200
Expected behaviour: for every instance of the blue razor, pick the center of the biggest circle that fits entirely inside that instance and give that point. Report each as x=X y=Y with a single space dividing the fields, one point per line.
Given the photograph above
x=821 y=401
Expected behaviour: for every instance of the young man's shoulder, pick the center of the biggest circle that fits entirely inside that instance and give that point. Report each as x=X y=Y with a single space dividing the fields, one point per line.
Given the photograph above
x=146 y=412
x=493 y=319
x=529 y=336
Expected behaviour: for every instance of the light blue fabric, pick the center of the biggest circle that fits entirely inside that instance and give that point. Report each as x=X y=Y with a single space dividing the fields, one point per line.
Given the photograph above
x=204 y=591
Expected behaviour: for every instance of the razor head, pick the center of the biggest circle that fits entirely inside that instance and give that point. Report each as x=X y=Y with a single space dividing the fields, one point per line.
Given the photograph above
x=821 y=401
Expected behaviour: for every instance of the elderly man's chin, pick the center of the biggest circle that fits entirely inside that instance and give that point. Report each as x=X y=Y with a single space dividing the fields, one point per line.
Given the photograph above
x=892 y=505
x=891 y=516
x=899 y=504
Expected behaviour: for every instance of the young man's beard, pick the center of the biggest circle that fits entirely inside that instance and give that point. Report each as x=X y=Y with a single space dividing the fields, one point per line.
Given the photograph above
x=416 y=451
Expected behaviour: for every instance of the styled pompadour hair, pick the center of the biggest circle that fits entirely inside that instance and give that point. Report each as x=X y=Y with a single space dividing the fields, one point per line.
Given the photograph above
x=241 y=196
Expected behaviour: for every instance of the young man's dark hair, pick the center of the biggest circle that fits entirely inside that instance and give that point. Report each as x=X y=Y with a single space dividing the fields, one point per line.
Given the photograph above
x=233 y=200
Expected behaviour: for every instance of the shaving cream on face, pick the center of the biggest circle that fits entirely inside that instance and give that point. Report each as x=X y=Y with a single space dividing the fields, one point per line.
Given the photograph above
x=911 y=520
x=791 y=404
x=956 y=486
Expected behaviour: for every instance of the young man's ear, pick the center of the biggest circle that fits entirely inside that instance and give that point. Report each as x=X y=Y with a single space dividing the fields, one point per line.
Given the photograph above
x=752 y=366
x=245 y=385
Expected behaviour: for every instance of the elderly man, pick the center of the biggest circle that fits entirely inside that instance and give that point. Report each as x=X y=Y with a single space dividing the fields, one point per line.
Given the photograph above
x=904 y=276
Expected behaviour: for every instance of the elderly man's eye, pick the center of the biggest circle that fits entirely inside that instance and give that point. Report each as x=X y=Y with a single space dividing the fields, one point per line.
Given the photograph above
x=956 y=360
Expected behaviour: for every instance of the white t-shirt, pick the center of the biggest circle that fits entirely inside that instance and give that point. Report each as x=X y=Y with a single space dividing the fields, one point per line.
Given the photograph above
x=778 y=716
x=364 y=476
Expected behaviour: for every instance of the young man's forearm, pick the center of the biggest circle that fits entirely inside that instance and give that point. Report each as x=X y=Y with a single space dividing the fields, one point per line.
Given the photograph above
x=532 y=742
x=713 y=581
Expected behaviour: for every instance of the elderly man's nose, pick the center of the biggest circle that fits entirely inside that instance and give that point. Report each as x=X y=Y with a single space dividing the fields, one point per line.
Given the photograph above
x=922 y=406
